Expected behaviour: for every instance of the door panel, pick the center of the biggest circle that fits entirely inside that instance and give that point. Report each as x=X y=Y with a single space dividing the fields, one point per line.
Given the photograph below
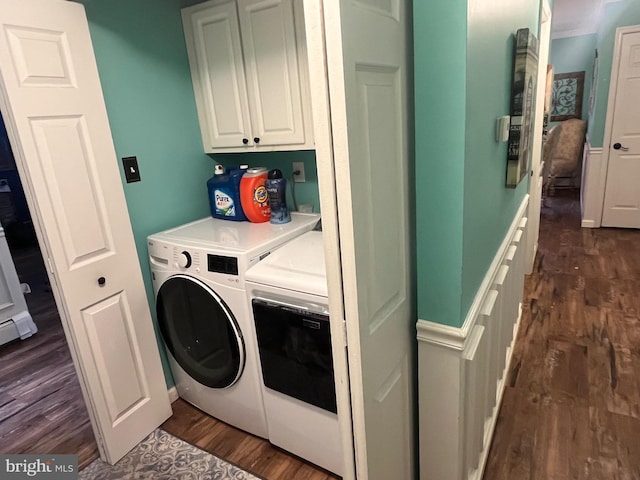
x=379 y=168
x=57 y=123
x=64 y=148
x=28 y=46
x=123 y=380
x=367 y=72
x=217 y=71
x=273 y=81
x=622 y=195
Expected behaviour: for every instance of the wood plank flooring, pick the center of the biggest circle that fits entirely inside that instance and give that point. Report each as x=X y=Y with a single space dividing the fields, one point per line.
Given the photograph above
x=571 y=408
x=247 y=451
x=41 y=405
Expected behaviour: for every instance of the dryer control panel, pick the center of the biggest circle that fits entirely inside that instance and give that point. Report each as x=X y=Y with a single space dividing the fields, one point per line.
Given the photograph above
x=222 y=264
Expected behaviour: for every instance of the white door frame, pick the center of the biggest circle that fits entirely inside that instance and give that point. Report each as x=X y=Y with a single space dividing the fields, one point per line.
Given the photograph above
x=537 y=160
x=613 y=92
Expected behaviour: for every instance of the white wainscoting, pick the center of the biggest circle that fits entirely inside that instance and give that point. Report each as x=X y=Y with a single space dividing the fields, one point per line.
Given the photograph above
x=461 y=371
x=594 y=174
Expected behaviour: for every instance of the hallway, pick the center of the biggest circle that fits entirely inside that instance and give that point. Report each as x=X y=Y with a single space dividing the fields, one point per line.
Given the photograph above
x=41 y=406
x=571 y=406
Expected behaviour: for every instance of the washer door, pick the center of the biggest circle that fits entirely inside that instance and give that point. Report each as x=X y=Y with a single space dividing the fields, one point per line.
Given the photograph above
x=200 y=331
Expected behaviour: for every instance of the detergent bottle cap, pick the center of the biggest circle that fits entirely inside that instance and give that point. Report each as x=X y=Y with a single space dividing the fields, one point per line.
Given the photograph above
x=275 y=173
x=218 y=170
x=255 y=171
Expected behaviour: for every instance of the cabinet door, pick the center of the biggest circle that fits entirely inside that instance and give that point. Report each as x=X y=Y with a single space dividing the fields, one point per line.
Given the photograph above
x=273 y=76
x=215 y=54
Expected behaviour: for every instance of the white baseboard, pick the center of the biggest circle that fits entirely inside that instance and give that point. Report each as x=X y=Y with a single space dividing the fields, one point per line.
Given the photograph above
x=462 y=370
x=173 y=394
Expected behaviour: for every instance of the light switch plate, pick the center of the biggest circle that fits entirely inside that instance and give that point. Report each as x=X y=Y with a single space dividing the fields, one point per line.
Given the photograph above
x=502 y=128
x=131 y=172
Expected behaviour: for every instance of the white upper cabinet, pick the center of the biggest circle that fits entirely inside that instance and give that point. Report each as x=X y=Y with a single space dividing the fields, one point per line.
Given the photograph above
x=249 y=70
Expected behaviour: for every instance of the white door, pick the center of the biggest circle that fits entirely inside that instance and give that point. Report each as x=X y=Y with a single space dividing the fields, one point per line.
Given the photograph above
x=622 y=191
x=271 y=61
x=363 y=162
x=212 y=33
x=53 y=107
x=535 y=185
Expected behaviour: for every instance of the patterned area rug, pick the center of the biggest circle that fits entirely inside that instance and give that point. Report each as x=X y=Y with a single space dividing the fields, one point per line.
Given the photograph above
x=161 y=456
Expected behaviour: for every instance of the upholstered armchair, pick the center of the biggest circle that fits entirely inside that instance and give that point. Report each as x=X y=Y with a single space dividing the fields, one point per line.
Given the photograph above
x=562 y=153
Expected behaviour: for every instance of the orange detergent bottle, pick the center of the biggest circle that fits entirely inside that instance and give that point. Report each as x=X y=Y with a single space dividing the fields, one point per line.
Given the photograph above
x=253 y=195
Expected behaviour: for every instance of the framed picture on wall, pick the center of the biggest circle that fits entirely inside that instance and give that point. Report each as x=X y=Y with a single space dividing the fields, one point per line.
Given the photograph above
x=523 y=90
x=566 y=101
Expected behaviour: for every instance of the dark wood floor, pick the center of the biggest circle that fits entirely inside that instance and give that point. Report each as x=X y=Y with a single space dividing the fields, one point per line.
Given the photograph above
x=571 y=408
x=250 y=453
x=41 y=405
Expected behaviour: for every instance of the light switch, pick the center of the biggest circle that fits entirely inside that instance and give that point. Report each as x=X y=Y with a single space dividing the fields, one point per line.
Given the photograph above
x=502 y=128
x=131 y=172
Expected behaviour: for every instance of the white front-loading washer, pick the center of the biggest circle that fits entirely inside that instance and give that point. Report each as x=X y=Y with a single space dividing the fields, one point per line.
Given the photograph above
x=288 y=296
x=198 y=273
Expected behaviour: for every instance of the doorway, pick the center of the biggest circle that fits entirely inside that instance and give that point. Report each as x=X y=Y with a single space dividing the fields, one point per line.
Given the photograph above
x=42 y=409
x=621 y=205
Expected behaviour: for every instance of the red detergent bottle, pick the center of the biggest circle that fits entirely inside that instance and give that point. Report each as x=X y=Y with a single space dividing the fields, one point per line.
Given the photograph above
x=254 y=197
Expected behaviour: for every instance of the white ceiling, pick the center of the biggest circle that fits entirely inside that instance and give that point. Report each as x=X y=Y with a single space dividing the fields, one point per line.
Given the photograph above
x=576 y=17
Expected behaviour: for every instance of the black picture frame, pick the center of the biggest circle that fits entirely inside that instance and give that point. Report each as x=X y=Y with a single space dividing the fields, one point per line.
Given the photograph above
x=568 y=90
x=523 y=92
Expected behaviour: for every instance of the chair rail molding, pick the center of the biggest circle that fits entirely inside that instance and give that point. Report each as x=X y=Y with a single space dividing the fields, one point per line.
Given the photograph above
x=462 y=370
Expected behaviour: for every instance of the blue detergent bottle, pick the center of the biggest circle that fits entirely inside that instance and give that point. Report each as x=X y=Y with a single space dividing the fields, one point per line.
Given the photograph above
x=277 y=191
x=224 y=194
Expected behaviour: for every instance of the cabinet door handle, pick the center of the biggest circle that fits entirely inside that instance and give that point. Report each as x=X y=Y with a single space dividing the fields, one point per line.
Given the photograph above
x=256 y=139
x=102 y=281
x=245 y=140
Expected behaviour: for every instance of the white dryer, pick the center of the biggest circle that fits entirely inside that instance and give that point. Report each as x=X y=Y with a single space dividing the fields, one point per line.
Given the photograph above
x=288 y=295
x=198 y=273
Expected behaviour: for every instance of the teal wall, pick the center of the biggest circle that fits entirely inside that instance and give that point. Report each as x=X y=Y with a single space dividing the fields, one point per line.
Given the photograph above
x=620 y=14
x=463 y=61
x=575 y=54
x=146 y=81
x=489 y=207
x=440 y=72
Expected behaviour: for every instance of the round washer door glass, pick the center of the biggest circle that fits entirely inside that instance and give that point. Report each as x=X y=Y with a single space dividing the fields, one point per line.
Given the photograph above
x=200 y=331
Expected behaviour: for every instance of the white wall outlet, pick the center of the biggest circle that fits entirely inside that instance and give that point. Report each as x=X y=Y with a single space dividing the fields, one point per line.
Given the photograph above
x=298 y=172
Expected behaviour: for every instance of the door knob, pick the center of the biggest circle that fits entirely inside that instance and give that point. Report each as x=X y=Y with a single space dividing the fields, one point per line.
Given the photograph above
x=618 y=146
x=102 y=281
x=245 y=140
x=256 y=139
